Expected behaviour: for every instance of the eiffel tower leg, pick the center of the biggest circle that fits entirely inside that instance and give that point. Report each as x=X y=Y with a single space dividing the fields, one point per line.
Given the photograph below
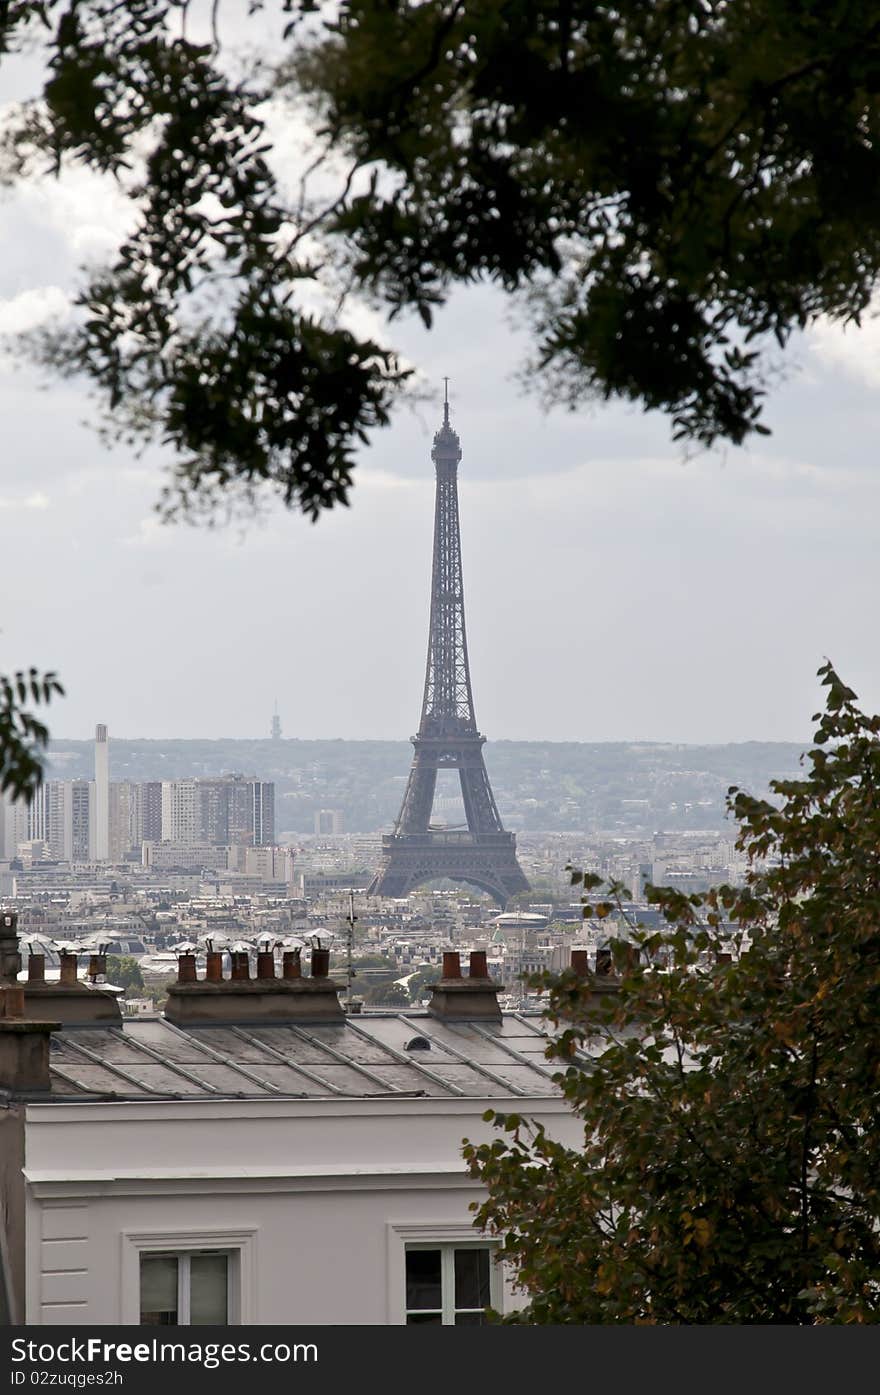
x=480 y=808
x=418 y=801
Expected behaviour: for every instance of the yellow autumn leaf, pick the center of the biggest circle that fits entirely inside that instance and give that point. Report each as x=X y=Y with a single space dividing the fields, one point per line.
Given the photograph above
x=702 y=1232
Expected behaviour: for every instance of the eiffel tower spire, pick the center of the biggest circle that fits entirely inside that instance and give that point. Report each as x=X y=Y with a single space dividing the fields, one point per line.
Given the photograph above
x=448 y=738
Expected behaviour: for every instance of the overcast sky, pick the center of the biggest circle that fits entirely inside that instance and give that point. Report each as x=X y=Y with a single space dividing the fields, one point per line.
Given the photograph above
x=614 y=591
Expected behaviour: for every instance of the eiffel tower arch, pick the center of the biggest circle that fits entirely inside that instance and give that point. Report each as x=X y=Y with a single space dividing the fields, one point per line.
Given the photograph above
x=483 y=854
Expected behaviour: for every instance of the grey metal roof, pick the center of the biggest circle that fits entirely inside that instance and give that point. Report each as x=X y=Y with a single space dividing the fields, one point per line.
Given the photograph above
x=361 y=1056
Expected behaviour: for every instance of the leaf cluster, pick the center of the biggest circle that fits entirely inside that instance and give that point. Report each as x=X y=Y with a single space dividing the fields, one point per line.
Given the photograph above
x=194 y=335
x=23 y=737
x=728 y=1091
x=678 y=185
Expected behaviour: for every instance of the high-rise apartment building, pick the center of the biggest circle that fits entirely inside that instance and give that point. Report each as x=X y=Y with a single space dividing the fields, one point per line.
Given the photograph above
x=181 y=812
x=15 y=824
x=263 y=816
x=220 y=811
x=126 y=819
x=78 y=837
x=151 y=811
x=61 y=815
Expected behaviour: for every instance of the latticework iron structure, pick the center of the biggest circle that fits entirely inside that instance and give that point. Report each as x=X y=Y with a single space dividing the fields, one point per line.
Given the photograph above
x=483 y=854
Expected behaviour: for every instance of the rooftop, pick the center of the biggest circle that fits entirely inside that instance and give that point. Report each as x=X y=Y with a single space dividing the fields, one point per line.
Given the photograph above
x=378 y=1054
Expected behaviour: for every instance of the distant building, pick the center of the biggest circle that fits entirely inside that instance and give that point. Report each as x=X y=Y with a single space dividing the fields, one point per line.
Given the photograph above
x=316 y=884
x=180 y=812
x=222 y=810
x=184 y=855
x=126 y=820
x=63 y=815
x=329 y=821
x=151 y=810
x=101 y=829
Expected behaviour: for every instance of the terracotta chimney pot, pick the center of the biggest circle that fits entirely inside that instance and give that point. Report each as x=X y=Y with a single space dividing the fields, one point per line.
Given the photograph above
x=240 y=965
x=320 y=963
x=67 y=975
x=213 y=966
x=580 y=962
x=478 y=967
x=36 y=968
x=186 y=968
x=291 y=964
x=266 y=964
x=451 y=964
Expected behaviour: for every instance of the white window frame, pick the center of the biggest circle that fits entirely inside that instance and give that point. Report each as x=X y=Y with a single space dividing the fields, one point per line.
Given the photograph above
x=183 y=1259
x=238 y=1245
x=445 y=1237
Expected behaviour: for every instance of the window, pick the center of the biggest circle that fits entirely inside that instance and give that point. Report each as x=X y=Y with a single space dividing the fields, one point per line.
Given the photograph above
x=450 y=1285
x=189 y=1289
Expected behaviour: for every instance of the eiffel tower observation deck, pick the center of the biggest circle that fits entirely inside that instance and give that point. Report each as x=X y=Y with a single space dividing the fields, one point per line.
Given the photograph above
x=483 y=854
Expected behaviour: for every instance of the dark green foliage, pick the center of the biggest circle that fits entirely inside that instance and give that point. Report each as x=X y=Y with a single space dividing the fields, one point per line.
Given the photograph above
x=675 y=182
x=673 y=187
x=23 y=737
x=730 y=1170
x=387 y=995
x=418 y=986
x=193 y=334
x=124 y=971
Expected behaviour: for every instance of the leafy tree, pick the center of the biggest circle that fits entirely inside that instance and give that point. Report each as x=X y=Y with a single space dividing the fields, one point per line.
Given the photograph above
x=670 y=186
x=124 y=971
x=419 y=982
x=730 y=1169
x=376 y=961
x=385 y=995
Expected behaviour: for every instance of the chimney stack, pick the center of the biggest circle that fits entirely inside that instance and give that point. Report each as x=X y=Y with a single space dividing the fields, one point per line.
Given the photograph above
x=471 y=999
x=10 y=959
x=24 y=1042
x=69 y=1001
x=242 y=1000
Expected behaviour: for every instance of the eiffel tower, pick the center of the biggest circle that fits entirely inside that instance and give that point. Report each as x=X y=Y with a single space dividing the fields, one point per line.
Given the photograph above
x=485 y=854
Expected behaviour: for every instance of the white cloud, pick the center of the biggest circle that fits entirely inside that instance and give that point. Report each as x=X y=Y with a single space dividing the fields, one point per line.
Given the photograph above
x=32 y=501
x=853 y=348
x=31 y=308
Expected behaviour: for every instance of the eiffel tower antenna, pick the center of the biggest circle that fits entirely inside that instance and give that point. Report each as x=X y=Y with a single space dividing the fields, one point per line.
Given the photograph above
x=483 y=854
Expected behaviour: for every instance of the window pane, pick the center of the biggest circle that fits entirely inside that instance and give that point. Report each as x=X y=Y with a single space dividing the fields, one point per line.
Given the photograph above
x=424 y=1317
x=470 y=1319
x=208 y=1277
x=471 y=1278
x=423 y=1279
x=159 y=1290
